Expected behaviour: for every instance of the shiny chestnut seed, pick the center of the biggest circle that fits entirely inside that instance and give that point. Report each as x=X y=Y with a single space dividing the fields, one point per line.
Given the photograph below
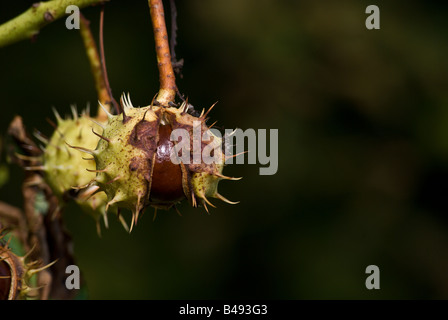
x=166 y=186
x=5 y=280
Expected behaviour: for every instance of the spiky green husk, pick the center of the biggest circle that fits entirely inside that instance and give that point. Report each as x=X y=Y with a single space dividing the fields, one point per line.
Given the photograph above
x=66 y=169
x=17 y=281
x=126 y=154
x=124 y=170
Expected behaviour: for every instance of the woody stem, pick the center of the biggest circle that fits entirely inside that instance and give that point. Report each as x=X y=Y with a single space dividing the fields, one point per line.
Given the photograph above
x=28 y=24
x=95 y=66
x=167 y=91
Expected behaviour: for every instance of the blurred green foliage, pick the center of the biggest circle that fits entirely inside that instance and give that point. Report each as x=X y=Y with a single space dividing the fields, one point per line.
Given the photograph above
x=4 y=174
x=363 y=147
x=4 y=171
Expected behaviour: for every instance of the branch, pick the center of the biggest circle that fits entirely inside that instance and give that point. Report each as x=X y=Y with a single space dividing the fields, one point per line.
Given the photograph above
x=103 y=65
x=28 y=24
x=167 y=91
x=177 y=64
x=96 y=68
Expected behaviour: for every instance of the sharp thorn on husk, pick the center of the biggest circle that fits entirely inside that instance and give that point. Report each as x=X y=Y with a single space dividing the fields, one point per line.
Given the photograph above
x=236 y=155
x=222 y=198
x=193 y=200
x=209 y=109
x=57 y=115
x=26 y=158
x=109 y=115
x=41 y=137
x=106 y=220
x=226 y=178
x=97 y=170
x=34 y=168
x=184 y=106
x=211 y=126
x=68 y=152
x=55 y=127
x=113 y=180
x=155 y=215
x=29 y=252
x=132 y=222
x=203 y=197
x=85 y=150
x=97 y=123
x=86 y=111
x=74 y=112
x=137 y=208
x=129 y=101
x=123 y=223
x=34 y=271
x=205 y=207
x=100 y=136
x=98 y=228
x=89 y=192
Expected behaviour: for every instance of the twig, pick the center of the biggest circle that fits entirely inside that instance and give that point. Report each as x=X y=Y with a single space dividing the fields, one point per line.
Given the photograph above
x=103 y=65
x=177 y=64
x=167 y=91
x=173 y=38
x=96 y=67
x=28 y=24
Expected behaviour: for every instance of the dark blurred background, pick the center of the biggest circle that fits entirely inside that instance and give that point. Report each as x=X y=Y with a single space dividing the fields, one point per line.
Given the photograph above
x=363 y=147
